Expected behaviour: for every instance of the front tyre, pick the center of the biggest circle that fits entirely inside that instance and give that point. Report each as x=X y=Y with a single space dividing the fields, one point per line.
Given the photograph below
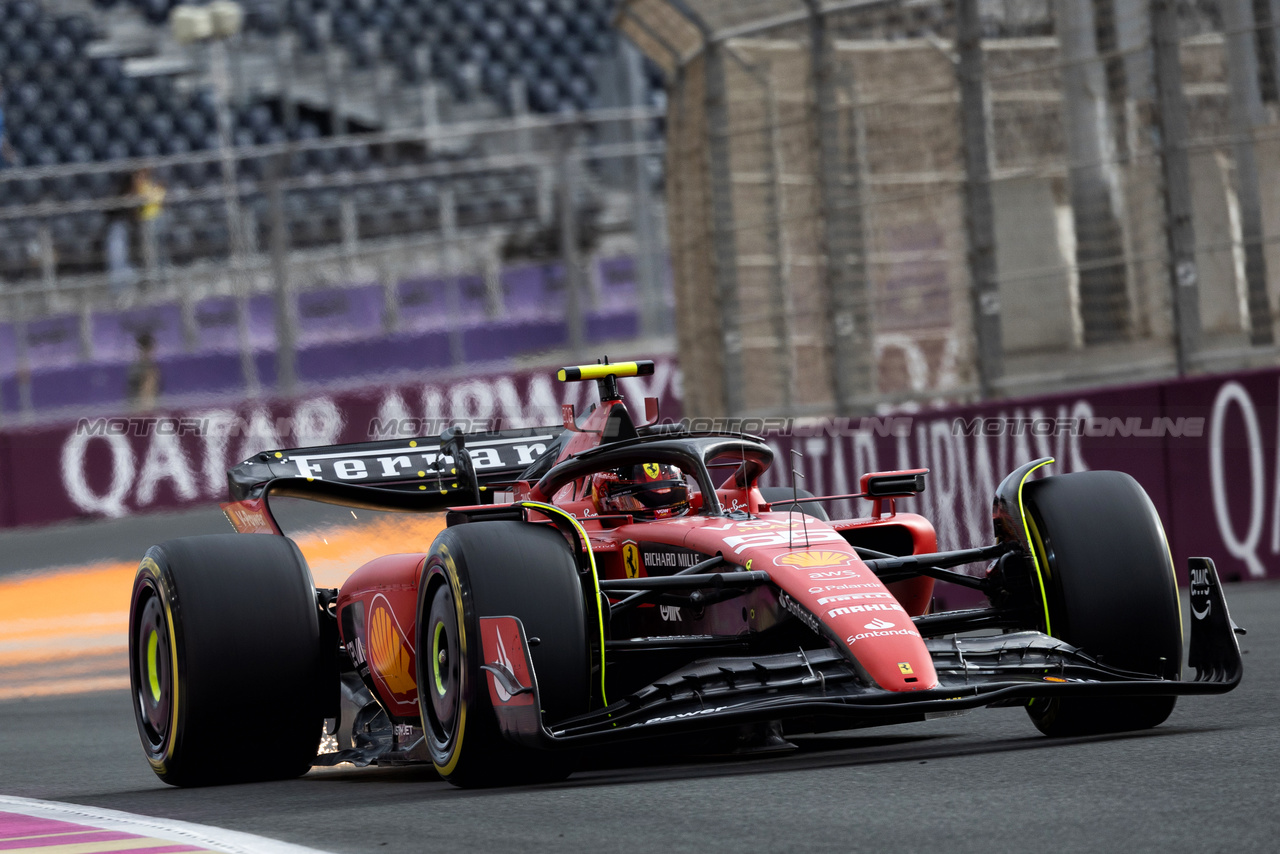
x=224 y=651
x=1109 y=589
x=490 y=569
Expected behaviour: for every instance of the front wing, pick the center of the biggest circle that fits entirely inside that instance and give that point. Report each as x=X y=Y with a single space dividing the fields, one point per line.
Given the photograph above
x=972 y=672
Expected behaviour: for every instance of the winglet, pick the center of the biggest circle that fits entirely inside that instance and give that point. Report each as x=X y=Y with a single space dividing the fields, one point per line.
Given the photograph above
x=1214 y=652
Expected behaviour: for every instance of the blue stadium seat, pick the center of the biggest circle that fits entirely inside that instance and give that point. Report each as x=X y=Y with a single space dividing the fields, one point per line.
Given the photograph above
x=63 y=106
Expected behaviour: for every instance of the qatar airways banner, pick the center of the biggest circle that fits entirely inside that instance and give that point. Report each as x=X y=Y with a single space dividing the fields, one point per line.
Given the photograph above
x=104 y=467
x=1206 y=450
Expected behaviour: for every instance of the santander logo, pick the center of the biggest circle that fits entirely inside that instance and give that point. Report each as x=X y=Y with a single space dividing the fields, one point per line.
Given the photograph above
x=878 y=624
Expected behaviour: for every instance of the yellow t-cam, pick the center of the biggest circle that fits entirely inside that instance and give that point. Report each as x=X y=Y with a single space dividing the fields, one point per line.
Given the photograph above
x=606 y=375
x=599 y=372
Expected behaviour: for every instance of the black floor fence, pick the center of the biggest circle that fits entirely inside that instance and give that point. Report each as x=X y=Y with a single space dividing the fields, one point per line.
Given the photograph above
x=875 y=202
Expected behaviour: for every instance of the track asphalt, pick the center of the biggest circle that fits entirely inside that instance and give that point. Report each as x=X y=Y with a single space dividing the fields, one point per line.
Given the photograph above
x=1208 y=780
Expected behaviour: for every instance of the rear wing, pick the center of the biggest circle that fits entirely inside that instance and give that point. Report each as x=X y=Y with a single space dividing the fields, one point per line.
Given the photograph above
x=416 y=465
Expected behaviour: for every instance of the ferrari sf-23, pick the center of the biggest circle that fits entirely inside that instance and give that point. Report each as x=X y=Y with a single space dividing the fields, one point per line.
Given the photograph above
x=606 y=580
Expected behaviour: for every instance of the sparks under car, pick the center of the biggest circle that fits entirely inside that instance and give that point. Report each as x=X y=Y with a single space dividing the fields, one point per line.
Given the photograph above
x=605 y=580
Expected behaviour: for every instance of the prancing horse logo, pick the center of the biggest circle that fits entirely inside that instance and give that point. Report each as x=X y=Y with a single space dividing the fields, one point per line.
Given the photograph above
x=631 y=559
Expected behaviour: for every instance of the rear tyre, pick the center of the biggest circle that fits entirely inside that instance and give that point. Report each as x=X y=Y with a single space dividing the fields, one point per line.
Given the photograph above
x=782 y=499
x=493 y=569
x=1110 y=590
x=224 y=637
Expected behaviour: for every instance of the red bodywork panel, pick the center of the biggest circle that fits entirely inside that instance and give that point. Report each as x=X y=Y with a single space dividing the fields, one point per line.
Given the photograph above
x=379 y=630
x=821 y=580
x=249 y=516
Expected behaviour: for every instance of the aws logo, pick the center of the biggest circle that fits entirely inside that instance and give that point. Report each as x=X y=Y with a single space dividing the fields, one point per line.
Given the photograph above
x=388 y=652
x=813 y=559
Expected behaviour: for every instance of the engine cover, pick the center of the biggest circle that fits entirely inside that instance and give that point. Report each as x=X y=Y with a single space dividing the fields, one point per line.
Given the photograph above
x=377 y=616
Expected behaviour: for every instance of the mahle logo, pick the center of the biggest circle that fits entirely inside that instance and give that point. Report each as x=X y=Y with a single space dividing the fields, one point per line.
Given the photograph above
x=813 y=559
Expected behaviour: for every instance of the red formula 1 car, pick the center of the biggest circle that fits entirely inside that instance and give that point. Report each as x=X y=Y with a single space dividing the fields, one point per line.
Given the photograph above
x=604 y=581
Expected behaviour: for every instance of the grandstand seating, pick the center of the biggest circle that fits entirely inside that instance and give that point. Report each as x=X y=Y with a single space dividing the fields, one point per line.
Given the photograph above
x=553 y=45
x=341 y=336
x=62 y=106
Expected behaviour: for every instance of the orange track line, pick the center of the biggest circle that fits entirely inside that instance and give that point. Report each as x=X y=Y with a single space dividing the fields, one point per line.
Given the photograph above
x=66 y=630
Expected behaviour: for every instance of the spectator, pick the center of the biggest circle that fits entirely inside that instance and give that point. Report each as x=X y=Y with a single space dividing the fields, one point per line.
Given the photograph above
x=8 y=157
x=150 y=219
x=144 y=375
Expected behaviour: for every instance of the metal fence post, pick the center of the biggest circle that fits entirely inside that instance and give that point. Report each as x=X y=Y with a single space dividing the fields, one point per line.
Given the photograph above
x=85 y=326
x=453 y=285
x=22 y=343
x=350 y=226
x=724 y=246
x=979 y=213
x=491 y=263
x=570 y=261
x=48 y=257
x=647 y=252
x=231 y=200
x=1175 y=165
x=783 y=308
x=286 y=356
x=1245 y=106
x=333 y=71
x=1269 y=32
x=1100 y=256
x=780 y=307
x=284 y=74
x=847 y=284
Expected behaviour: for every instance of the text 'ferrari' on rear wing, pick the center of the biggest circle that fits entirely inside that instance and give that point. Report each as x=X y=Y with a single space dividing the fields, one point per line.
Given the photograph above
x=498 y=456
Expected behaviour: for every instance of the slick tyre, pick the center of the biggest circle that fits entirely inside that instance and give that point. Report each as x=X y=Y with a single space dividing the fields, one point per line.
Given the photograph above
x=490 y=569
x=225 y=660
x=782 y=499
x=1109 y=589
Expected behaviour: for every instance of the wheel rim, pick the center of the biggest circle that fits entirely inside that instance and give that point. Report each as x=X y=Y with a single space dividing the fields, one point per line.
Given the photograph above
x=153 y=669
x=445 y=691
x=439 y=659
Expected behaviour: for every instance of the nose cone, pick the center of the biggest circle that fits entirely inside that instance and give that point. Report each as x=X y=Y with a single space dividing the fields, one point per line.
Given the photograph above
x=892 y=653
x=832 y=591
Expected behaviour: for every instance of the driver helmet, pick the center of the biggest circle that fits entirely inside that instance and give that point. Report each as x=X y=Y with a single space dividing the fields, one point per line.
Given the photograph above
x=646 y=491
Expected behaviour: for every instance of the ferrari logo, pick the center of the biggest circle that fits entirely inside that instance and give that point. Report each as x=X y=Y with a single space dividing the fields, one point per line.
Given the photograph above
x=905 y=667
x=653 y=470
x=631 y=559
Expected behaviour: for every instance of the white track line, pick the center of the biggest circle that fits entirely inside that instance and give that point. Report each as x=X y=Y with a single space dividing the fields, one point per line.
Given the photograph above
x=229 y=841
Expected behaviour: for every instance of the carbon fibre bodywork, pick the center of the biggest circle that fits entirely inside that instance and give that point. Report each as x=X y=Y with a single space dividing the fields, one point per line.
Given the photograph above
x=972 y=672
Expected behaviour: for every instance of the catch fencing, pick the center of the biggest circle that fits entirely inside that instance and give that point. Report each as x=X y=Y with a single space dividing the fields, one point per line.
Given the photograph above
x=877 y=203
x=547 y=228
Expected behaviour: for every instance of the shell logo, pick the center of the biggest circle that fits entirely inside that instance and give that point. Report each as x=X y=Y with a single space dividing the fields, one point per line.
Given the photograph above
x=388 y=653
x=813 y=559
